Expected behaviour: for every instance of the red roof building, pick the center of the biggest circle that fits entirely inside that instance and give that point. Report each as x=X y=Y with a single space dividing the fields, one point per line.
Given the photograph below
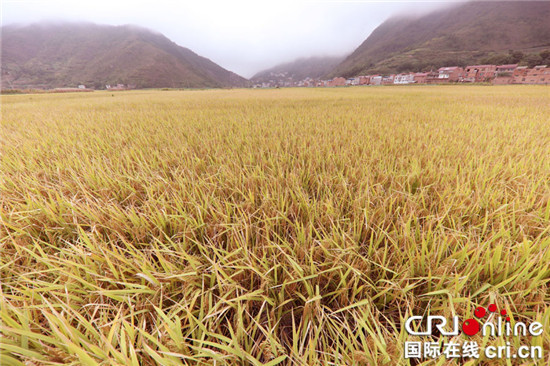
x=538 y=75
x=450 y=74
x=520 y=75
x=421 y=77
x=387 y=80
x=337 y=82
x=506 y=68
x=479 y=73
x=364 y=80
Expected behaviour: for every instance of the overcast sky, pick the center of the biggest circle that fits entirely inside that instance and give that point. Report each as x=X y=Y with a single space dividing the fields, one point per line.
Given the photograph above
x=241 y=35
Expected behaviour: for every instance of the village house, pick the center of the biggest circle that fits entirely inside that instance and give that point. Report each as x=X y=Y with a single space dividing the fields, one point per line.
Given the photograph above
x=421 y=77
x=307 y=82
x=506 y=68
x=433 y=78
x=353 y=81
x=116 y=87
x=545 y=77
x=519 y=75
x=503 y=79
x=364 y=80
x=375 y=80
x=388 y=79
x=450 y=74
x=404 y=79
x=504 y=74
x=538 y=75
x=478 y=73
x=337 y=82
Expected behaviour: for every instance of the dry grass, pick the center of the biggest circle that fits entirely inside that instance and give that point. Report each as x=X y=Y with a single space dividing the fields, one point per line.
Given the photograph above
x=277 y=226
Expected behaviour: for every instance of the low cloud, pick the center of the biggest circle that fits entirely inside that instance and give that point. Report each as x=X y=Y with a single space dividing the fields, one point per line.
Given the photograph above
x=242 y=36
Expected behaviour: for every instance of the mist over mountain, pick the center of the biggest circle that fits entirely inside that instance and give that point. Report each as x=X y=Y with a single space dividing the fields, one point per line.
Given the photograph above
x=312 y=67
x=467 y=33
x=49 y=55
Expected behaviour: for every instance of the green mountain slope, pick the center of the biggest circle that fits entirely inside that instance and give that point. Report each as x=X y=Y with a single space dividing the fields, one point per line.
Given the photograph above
x=68 y=54
x=459 y=35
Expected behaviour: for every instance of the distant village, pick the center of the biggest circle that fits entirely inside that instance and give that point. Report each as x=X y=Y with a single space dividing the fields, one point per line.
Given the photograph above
x=495 y=74
x=83 y=88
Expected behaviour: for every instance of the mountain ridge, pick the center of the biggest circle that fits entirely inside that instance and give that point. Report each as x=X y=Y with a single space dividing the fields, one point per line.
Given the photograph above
x=65 y=54
x=464 y=33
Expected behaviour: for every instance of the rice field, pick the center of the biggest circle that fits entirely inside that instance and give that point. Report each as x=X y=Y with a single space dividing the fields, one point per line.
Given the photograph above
x=269 y=227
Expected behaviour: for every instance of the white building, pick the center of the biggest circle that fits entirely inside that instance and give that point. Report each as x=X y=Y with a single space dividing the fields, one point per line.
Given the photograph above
x=376 y=80
x=404 y=79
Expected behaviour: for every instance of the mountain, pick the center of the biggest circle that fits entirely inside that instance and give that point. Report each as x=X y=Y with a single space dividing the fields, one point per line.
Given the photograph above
x=312 y=67
x=48 y=55
x=467 y=33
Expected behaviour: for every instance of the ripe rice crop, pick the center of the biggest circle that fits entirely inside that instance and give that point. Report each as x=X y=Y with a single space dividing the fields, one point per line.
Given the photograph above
x=249 y=227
